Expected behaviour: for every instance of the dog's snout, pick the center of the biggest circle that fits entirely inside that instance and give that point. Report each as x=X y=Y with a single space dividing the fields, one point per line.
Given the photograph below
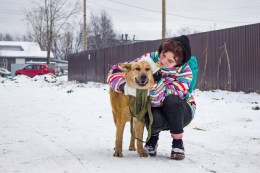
x=143 y=77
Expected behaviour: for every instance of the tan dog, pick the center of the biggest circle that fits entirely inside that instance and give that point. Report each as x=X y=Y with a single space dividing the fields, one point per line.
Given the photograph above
x=137 y=75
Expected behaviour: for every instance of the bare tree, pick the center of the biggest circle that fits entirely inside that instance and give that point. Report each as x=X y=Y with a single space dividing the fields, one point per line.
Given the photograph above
x=69 y=41
x=214 y=27
x=100 y=29
x=28 y=37
x=181 y=31
x=78 y=43
x=47 y=18
x=106 y=29
x=35 y=19
x=169 y=33
x=63 y=45
x=184 y=31
x=6 y=37
x=93 y=34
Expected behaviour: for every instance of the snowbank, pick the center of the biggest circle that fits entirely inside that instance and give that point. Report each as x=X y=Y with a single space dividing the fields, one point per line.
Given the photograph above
x=45 y=128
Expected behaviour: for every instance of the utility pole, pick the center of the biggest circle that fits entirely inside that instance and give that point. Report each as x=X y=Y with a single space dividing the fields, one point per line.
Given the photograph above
x=85 y=28
x=163 y=19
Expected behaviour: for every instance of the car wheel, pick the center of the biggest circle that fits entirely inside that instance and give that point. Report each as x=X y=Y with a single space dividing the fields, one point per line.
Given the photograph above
x=40 y=74
x=18 y=74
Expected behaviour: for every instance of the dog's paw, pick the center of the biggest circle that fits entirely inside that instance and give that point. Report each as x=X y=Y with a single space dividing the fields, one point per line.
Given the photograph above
x=118 y=154
x=143 y=154
x=132 y=148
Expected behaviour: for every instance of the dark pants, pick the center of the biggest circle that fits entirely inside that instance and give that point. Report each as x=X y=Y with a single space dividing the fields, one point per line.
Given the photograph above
x=173 y=115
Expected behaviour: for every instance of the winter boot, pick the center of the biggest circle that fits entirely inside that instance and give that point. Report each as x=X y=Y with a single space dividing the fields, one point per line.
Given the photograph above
x=151 y=146
x=177 y=150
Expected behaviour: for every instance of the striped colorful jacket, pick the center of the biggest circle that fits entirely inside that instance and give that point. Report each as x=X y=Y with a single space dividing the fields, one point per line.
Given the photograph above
x=172 y=82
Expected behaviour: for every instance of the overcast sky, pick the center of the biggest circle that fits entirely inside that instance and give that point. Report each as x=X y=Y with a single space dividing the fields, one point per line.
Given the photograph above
x=142 y=18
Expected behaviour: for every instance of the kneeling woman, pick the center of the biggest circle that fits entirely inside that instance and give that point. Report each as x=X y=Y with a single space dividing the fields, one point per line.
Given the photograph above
x=173 y=107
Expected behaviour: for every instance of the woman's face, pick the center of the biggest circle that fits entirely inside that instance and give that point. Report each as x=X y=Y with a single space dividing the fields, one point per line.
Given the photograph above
x=166 y=60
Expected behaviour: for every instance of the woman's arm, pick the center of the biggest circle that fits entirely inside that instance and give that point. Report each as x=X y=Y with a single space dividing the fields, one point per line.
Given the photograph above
x=179 y=85
x=173 y=84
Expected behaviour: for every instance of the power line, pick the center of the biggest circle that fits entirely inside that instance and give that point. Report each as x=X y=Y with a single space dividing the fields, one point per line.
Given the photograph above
x=231 y=16
x=250 y=16
x=237 y=15
x=175 y=14
x=123 y=12
x=226 y=17
x=140 y=16
x=220 y=9
x=33 y=5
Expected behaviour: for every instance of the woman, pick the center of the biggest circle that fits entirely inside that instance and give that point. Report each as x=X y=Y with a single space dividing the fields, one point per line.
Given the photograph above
x=173 y=107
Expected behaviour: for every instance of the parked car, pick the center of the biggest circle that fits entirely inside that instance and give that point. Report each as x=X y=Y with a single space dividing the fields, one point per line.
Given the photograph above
x=4 y=72
x=36 y=69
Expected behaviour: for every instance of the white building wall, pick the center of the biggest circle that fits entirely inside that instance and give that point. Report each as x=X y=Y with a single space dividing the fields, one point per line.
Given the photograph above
x=20 y=61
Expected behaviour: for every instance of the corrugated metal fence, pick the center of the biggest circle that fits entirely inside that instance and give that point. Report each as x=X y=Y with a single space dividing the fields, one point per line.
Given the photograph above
x=228 y=59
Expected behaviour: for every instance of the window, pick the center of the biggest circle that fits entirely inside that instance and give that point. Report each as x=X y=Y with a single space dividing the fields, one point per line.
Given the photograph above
x=49 y=67
x=28 y=67
x=3 y=63
x=38 y=67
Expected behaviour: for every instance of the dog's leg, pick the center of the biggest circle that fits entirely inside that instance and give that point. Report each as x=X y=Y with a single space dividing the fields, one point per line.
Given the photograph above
x=132 y=140
x=139 y=134
x=119 y=138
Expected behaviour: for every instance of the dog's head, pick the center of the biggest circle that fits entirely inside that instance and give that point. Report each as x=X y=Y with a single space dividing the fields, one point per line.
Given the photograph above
x=138 y=75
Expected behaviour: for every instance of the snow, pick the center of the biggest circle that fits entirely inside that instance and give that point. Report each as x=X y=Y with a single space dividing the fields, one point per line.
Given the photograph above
x=30 y=50
x=46 y=128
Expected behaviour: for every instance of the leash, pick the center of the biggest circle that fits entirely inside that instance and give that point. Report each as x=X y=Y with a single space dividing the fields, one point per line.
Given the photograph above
x=138 y=109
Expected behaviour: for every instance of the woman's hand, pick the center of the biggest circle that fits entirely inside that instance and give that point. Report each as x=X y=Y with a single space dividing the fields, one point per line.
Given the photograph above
x=157 y=76
x=127 y=90
x=122 y=86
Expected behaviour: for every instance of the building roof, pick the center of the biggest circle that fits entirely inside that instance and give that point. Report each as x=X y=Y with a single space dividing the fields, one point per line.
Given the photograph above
x=12 y=49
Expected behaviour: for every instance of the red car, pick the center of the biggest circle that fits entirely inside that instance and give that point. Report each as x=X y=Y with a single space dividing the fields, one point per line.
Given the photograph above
x=35 y=69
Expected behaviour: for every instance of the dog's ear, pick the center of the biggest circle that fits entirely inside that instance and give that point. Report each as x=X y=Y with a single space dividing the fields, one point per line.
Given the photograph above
x=125 y=66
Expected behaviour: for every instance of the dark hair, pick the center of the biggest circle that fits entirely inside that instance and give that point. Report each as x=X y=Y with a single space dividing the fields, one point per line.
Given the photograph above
x=182 y=41
x=175 y=48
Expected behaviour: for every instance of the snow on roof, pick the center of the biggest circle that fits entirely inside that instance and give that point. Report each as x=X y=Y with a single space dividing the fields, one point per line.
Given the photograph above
x=29 y=50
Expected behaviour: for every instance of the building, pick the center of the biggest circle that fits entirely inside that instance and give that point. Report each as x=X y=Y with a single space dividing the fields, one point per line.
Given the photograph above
x=21 y=52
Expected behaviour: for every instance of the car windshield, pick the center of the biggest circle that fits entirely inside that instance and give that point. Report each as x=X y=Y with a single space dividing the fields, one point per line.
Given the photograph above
x=28 y=67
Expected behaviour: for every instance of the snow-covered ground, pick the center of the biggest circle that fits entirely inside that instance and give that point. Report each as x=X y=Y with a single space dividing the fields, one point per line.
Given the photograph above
x=67 y=127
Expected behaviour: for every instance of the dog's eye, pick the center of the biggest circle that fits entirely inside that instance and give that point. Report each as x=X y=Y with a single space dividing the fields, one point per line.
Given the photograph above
x=147 y=69
x=138 y=68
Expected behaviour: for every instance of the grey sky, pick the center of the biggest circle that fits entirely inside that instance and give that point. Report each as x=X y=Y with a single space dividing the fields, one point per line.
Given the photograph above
x=198 y=15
